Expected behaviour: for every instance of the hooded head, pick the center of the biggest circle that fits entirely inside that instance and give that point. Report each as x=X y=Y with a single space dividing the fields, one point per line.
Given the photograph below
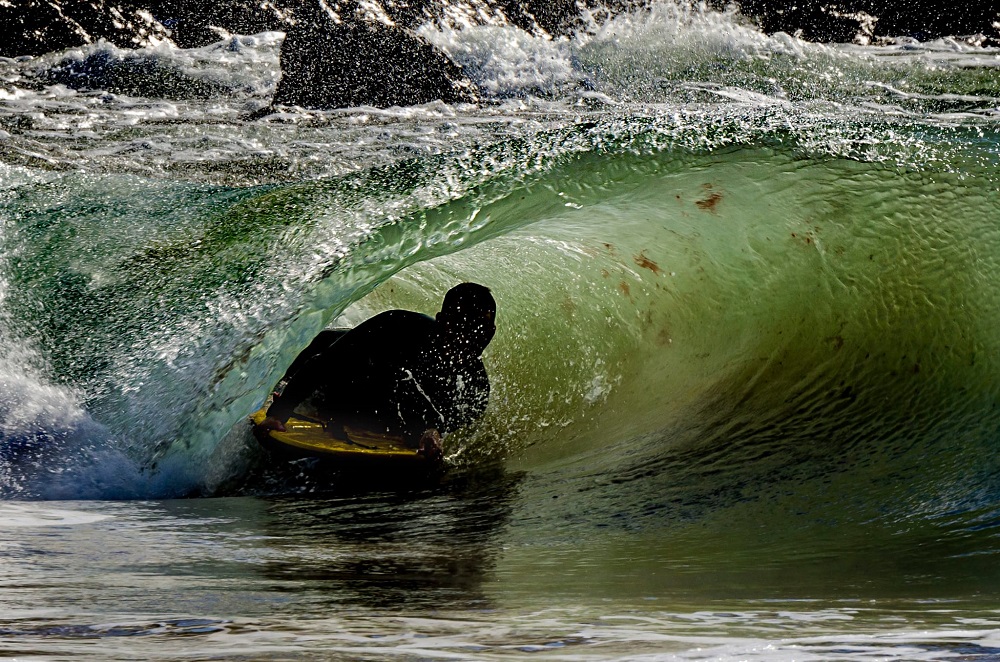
x=467 y=319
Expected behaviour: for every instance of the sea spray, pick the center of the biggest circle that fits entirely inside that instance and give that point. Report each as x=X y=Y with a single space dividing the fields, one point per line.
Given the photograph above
x=653 y=199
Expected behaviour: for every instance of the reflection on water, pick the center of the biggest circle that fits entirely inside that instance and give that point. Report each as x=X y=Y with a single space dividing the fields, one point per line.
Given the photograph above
x=477 y=567
x=429 y=549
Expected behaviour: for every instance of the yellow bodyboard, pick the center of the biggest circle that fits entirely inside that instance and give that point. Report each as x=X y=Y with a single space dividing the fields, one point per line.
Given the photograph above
x=309 y=437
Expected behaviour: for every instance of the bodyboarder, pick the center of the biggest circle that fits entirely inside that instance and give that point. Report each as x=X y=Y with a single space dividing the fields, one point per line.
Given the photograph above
x=401 y=372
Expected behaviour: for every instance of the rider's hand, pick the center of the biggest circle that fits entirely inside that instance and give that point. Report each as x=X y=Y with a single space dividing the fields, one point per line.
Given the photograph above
x=261 y=430
x=430 y=445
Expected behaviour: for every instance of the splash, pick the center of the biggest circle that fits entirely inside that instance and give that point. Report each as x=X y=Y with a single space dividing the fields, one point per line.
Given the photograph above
x=691 y=227
x=50 y=448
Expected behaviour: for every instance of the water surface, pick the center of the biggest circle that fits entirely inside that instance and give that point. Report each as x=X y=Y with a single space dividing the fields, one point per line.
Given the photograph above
x=745 y=380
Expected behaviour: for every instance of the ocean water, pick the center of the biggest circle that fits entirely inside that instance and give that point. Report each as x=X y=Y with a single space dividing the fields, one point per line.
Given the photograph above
x=746 y=379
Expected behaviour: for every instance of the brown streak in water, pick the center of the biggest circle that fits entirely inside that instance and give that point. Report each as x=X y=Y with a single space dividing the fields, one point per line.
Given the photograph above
x=646 y=263
x=709 y=203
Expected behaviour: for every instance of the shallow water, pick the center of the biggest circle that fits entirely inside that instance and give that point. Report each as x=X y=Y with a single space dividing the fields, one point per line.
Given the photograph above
x=453 y=573
x=745 y=380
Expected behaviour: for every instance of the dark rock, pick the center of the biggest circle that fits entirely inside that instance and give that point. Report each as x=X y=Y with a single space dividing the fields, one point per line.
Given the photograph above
x=195 y=23
x=342 y=54
x=552 y=17
x=198 y=22
x=36 y=27
x=329 y=62
x=813 y=21
x=412 y=14
x=933 y=19
x=863 y=20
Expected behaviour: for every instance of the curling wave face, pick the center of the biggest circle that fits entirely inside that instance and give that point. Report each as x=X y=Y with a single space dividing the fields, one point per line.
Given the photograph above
x=716 y=277
x=657 y=300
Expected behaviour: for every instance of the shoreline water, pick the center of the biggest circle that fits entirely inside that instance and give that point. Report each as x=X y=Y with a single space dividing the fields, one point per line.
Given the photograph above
x=276 y=579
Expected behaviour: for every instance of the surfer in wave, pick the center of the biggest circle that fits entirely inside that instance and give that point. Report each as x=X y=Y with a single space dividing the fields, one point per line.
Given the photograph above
x=400 y=372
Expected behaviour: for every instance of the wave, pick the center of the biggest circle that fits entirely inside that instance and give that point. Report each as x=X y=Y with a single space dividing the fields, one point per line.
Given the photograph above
x=738 y=275
x=687 y=309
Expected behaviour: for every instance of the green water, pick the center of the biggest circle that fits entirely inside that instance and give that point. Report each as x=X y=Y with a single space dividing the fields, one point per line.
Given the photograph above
x=461 y=573
x=745 y=379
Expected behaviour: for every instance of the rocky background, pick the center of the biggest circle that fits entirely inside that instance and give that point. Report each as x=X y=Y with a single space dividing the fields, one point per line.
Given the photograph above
x=366 y=52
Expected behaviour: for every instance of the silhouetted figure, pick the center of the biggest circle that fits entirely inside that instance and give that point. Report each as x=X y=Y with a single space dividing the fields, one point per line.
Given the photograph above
x=400 y=372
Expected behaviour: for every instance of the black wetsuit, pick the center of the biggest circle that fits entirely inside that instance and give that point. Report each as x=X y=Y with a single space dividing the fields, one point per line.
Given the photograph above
x=385 y=375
